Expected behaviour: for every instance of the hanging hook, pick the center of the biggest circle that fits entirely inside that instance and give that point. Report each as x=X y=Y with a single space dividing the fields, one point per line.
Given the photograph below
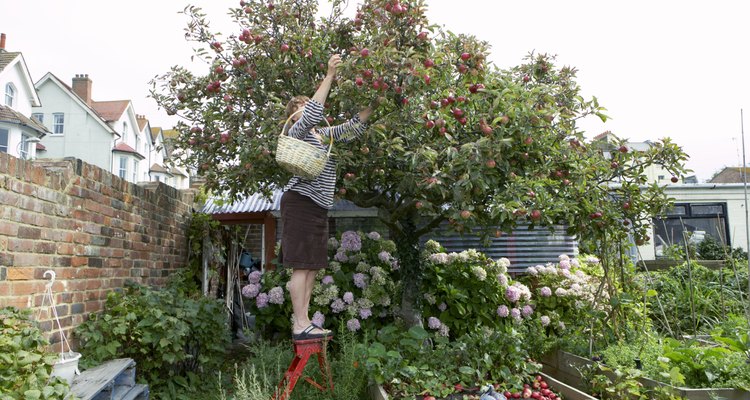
x=52 y=279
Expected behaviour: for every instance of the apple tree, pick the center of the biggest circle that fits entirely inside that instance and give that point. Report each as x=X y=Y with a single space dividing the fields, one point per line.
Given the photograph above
x=456 y=139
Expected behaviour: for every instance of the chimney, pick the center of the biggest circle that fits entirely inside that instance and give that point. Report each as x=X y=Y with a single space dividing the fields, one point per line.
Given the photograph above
x=82 y=87
x=2 y=42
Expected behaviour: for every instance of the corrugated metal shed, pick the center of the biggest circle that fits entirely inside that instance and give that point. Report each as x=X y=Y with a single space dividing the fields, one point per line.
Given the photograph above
x=255 y=203
x=524 y=247
x=259 y=203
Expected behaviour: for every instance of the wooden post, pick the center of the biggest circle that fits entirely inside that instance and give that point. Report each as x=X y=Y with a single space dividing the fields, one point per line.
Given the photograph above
x=269 y=240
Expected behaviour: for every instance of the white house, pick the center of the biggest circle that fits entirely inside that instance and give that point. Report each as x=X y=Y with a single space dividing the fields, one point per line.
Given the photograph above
x=181 y=178
x=76 y=129
x=19 y=134
x=715 y=209
x=158 y=171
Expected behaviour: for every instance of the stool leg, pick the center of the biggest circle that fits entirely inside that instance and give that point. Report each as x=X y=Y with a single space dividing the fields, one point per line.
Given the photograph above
x=291 y=376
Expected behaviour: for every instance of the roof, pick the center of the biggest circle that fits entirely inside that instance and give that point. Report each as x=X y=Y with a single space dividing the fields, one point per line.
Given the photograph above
x=141 y=123
x=40 y=147
x=259 y=203
x=8 y=114
x=160 y=169
x=731 y=175
x=155 y=133
x=110 y=110
x=124 y=148
x=7 y=57
x=170 y=133
x=69 y=91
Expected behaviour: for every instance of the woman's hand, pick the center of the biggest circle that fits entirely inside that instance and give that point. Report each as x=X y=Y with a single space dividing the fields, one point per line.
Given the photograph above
x=333 y=63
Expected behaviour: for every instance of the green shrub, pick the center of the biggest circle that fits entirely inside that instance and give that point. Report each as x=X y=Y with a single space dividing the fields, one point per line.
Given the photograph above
x=26 y=365
x=169 y=335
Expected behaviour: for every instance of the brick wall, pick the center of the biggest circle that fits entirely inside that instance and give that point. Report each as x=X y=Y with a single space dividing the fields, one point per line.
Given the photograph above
x=95 y=230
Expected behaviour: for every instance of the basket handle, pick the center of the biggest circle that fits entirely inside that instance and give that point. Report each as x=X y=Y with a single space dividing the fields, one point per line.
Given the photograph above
x=283 y=129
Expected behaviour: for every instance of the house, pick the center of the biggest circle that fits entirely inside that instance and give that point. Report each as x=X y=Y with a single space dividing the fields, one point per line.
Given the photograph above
x=103 y=133
x=162 y=167
x=144 y=131
x=77 y=130
x=181 y=177
x=654 y=173
x=19 y=133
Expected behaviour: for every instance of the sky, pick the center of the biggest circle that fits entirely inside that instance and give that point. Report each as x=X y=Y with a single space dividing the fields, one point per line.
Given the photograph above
x=677 y=69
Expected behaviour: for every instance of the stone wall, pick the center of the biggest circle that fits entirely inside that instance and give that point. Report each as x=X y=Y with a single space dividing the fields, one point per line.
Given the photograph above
x=93 y=229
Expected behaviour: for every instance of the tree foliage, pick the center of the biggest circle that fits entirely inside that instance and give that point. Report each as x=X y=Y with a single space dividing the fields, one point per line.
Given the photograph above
x=457 y=139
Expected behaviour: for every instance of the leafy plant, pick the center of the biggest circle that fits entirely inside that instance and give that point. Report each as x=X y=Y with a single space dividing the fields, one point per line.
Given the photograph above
x=26 y=363
x=170 y=336
x=618 y=384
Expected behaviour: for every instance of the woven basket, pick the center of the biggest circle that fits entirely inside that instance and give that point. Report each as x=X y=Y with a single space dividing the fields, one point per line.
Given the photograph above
x=299 y=157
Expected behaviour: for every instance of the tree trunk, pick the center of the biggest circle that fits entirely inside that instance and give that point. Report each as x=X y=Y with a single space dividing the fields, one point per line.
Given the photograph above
x=407 y=243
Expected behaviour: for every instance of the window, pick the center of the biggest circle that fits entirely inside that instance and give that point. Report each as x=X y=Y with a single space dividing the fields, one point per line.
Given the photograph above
x=135 y=171
x=696 y=219
x=38 y=117
x=125 y=132
x=58 y=123
x=10 y=94
x=24 y=148
x=3 y=140
x=123 y=167
x=137 y=143
x=661 y=177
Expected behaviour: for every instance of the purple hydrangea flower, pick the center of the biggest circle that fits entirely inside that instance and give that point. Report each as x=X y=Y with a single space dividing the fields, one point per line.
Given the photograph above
x=348 y=297
x=502 y=279
x=512 y=293
x=545 y=320
x=254 y=277
x=545 y=291
x=353 y=324
x=341 y=257
x=527 y=310
x=360 y=280
x=276 y=295
x=251 y=290
x=434 y=323
x=261 y=301
x=565 y=264
x=575 y=263
x=442 y=306
x=350 y=241
x=384 y=256
x=338 y=306
x=503 y=311
x=560 y=292
x=394 y=264
x=365 y=313
x=515 y=313
x=444 y=330
x=373 y=235
x=327 y=280
x=318 y=318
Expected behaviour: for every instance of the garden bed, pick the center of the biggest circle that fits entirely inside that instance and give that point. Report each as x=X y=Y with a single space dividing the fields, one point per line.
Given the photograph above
x=568 y=392
x=565 y=367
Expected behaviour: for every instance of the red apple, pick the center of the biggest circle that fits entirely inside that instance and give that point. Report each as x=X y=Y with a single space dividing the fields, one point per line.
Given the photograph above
x=418 y=205
x=535 y=215
x=358 y=81
x=623 y=149
x=462 y=120
x=219 y=69
x=367 y=73
x=491 y=163
x=270 y=6
x=428 y=63
x=504 y=120
x=196 y=129
x=329 y=119
x=614 y=164
x=465 y=214
x=284 y=48
x=427 y=79
x=463 y=68
x=349 y=176
x=457 y=112
x=434 y=104
x=626 y=205
x=364 y=52
x=465 y=56
x=675 y=179
x=422 y=35
x=526 y=78
x=342 y=191
x=405 y=101
x=429 y=124
x=528 y=140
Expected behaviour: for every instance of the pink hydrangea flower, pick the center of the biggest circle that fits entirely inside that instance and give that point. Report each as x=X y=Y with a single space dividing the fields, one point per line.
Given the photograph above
x=544 y=320
x=348 y=297
x=338 y=306
x=276 y=295
x=527 y=310
x=327 y=280
x=503 y=311
x=254 y=277
x=261 y=301
x=365 y=313
x=353 y=325
x=350 y=241
x=373 y=235
x=318 y=318
x=545 y=291
x=251 y=290
x=434 y=323
x=512 y=293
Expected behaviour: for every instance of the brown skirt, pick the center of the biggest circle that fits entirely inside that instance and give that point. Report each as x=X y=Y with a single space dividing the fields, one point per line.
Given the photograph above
x=304 y=232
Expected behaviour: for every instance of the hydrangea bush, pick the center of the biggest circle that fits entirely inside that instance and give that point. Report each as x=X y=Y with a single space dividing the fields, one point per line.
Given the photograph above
x=565 y=293
x=357 y=288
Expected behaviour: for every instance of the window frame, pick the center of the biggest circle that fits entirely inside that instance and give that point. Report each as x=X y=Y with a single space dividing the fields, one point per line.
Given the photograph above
x=4 y=147
x=688 y=213
x=38 y=117
x=10 y=94
x=56 y=124
x=122 y=171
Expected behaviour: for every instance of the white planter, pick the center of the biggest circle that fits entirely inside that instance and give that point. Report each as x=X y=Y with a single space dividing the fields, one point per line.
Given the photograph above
x=67 y=367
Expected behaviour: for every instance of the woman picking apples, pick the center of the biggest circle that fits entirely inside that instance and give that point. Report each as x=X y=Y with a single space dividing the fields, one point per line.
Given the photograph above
x=305 y=203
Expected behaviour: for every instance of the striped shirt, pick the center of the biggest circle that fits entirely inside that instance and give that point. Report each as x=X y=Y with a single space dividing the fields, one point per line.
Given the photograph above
x=320 y=189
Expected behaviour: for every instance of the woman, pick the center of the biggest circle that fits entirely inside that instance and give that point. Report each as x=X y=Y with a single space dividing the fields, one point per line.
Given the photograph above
x=305 y=203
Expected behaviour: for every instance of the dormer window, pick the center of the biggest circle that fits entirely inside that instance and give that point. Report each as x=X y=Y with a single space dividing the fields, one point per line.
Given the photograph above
x=124 y=131
x=10 y=95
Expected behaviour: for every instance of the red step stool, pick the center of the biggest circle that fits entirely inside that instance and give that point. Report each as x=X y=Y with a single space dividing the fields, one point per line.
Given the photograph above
x=303 y=350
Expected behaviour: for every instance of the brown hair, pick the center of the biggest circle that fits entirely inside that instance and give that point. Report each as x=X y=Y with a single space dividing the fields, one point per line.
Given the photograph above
x=294 y=104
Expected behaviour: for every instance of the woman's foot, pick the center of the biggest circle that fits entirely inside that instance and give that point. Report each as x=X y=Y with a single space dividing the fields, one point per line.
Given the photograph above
x=312 y=331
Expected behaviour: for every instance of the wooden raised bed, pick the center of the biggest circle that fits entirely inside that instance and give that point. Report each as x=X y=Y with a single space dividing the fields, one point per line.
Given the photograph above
x=564 y=366
x=568 y=392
